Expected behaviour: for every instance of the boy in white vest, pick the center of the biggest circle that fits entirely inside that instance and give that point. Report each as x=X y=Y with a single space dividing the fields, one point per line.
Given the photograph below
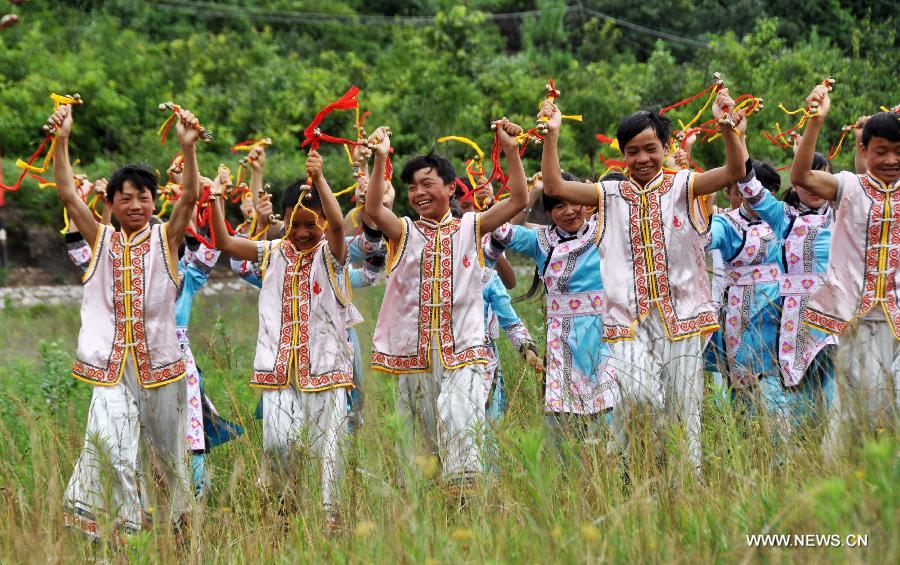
x=659 y=308
x=430 y=331
x=304 y=361
x=859 y=299
x=127 y=347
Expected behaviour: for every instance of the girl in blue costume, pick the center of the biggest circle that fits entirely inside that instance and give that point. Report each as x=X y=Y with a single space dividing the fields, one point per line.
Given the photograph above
x=803 y=223
x=578 y=387
x=751 y=310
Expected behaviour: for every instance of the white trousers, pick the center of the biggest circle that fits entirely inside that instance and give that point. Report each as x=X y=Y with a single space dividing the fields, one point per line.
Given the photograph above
x=295 y=421
x=867 y=379
x=130 y=428
x=447 y=408
x=666 y=374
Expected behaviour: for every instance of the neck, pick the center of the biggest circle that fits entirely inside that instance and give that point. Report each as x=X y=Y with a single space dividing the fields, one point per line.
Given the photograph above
x=437 y=216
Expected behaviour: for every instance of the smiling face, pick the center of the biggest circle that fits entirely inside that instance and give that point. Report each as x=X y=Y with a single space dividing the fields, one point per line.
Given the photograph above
x=305 y=231
x=644 y=155
x=429 y=195
x=883 y=158
x=132 y=207
x=567 y=216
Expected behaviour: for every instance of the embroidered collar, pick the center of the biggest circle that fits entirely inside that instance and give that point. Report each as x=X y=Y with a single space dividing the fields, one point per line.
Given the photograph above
x=446 y=219
x=880 y=185
x=652 y=185
x=747 y=217
x=562 y=235
x=135 y=237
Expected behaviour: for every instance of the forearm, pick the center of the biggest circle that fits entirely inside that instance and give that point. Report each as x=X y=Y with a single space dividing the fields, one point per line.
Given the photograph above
x=384 y=219
x=79 y=213
x=335 y=220
x=237 y=247
x=551 y=175
x=859 y=161
x=256 y=184
x=801 y=168
x=183 y=208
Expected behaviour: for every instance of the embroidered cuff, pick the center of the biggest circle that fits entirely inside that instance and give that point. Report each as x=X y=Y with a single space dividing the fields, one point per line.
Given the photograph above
x=751 y=189
x=519 y=336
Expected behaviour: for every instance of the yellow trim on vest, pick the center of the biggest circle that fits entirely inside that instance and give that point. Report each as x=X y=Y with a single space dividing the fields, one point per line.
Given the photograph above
x=92 y=266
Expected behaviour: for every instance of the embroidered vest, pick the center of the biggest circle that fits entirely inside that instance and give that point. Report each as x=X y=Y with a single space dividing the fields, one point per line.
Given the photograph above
x=864 y=264
x=653 y=258
x=302 y=320
x=128 y=309
x=743 y=273
x=433 y=298
x=796 y=348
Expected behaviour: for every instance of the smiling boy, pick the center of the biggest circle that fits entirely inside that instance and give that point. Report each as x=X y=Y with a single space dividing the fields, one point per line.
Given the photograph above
x=430 y=330
x=127 y=346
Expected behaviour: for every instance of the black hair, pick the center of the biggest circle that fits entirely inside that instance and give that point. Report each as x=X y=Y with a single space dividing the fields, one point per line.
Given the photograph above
x=548 y=202
x=819 y=163
x=140 y=175
x=885 y=125
x=637 y=122
x=441 y=165
x=551 y=202
x=456 y=209
x=292 y=194
x=767 y=175
x=613 y=176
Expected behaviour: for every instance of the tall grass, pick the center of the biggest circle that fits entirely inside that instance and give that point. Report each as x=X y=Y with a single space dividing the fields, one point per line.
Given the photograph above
x=544 y=504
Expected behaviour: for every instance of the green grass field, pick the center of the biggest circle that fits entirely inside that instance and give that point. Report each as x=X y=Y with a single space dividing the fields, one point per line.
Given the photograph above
x=539 y=507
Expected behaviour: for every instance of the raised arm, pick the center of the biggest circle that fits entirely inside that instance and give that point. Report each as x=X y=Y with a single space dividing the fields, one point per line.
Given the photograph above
x=821 y=183
x=554 y=185
x=503 y=212
x=384 y=219
x=187 y=128
x=334 y=227
x=237 y=247
x=735 y=152
x=859 y=160
x=78 y=211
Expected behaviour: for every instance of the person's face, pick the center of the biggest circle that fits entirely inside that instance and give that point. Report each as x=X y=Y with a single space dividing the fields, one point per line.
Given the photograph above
x=644 y=156
x=568 y=216
x=429 y=195
x=808 y=198
x=734 y=196
x=304 y=232
x=132 y=207
x=883 y=158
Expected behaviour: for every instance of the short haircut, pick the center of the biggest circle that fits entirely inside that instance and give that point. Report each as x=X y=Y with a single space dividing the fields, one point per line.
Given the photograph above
x=634 y=124
x=441 y=165
x=885 y=125
x=767 y=175
x=140 y=175
x=311 y=199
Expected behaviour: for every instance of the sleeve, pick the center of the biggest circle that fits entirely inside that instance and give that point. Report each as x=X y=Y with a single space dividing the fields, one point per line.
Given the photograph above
x=79 y=250
x=770 y=209
x=199 y=266
x=501 y=305
x=722 y=237
x=518 y=238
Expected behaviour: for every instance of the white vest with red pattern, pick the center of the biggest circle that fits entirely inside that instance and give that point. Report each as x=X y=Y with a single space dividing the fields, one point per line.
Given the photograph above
x=128 y=309
x=653 y=257
x=302 y=320
x=864 y=265
x=433 y=292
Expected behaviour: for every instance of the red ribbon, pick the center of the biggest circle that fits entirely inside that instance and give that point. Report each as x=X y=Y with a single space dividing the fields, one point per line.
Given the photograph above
x=34 y=157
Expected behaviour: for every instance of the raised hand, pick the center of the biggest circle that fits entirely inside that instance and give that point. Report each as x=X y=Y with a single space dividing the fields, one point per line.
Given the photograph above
x=380 y=140
x=508 y=132
x=551 y=113
x=257 y=158
x=187 y=128
x=723 y=105
x=314 y=165
x=819 y=101
x=61 y=121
